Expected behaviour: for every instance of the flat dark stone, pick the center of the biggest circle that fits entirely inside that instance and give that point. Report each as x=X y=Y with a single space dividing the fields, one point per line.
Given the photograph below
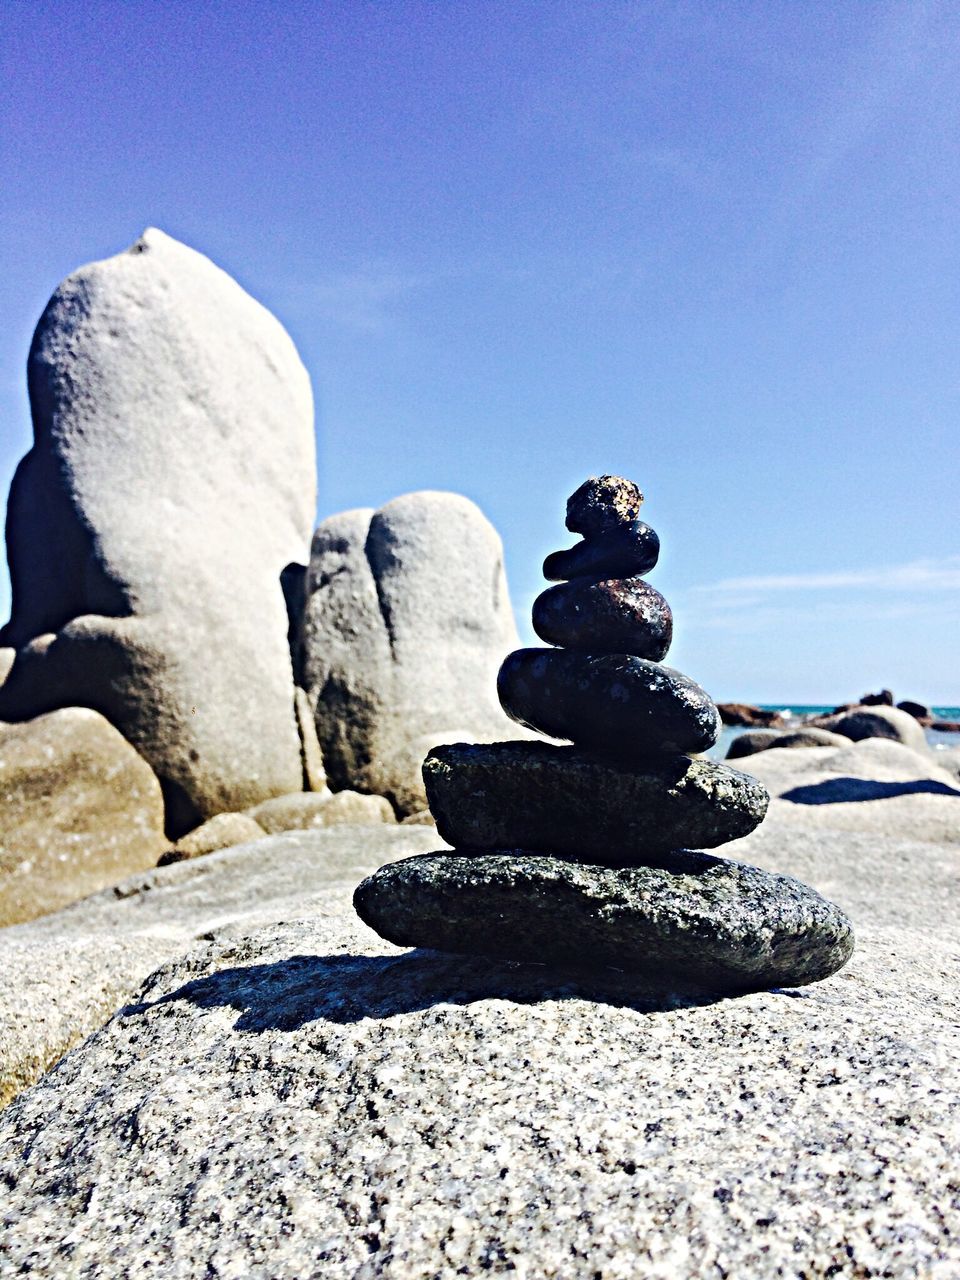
x=630 y=550
x=703 y=922
x=614 y=703
x=534 y=795
x=603 y=503
x=616 y=615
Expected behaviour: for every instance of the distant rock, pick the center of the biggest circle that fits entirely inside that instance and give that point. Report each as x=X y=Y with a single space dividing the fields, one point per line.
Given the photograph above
x=742 y=713
x=406 y=622
x=882 y=699
x=304 y=811
x=747 y=744
x=80 y=810
x=221 y=832
x=170 y=483
x=877 y=721
x=918 y=711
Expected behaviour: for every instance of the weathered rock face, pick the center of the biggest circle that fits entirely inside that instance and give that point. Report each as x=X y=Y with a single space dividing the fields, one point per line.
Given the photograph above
x=754 y=740
x=170 y=483
x=306 y=811
x=79 y=809
x=406 y=622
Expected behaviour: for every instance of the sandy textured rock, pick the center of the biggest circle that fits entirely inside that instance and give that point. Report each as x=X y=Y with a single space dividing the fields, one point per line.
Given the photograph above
x=822 y=787
x=304 y=811
x=154 y=376
x=407 y=620
x=314 y=774
x=535 y=795
x=79 y=809
x=695 y=921
x=65 y=974
x=221 y=832
x=309 y=1102
x=877 y=722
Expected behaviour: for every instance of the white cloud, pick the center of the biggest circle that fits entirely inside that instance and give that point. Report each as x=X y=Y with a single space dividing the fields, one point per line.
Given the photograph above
x=941 y=574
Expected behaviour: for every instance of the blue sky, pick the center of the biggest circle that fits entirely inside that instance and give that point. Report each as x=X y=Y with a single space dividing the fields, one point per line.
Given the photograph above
x=709 y=246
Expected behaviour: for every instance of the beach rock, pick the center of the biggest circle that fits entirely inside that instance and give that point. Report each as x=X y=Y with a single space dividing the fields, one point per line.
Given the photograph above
x=302 y=811
x=304 y=1095
x=946 y=726
x=746 y=744
x=80 y=810
x=66 y=973
x=314 y=774
x=882 y=699
x=741 y=713
x=564 y=800
x=154 y=376
x=221 y=832
x=878 y=721
x=623 y=553
x=697 y=920
x=7 y=659
x=614 y=703
x=749 y=743
x=949 y=761
x=619 y=615
x=603 y=504
x=919 y=712
x=407 y=619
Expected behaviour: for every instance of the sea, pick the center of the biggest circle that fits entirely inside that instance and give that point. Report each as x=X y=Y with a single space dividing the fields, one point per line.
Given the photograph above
x=937 y=741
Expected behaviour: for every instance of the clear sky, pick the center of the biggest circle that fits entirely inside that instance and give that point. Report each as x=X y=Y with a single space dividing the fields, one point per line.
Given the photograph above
x=710 y=246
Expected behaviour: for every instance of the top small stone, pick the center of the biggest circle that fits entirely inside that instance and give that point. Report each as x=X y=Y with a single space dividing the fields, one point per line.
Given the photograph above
x=603 y=504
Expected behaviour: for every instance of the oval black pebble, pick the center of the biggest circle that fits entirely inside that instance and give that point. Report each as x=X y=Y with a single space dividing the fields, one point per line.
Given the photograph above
x=602 y=504
x=614 y=703
x=698 y=920
x=624 y=553
x=616 y=615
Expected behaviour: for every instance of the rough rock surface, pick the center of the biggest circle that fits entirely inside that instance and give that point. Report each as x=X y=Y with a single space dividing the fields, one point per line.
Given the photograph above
x=221 y=832
x=826 y=788
x=603 y=504
x=65 y=974
x=309 y=1102
x=314 y=774
x=613 y=703
x=79 y=809
x=158 y=386
x=303 y=811
x=696 y=920
x=620 y=615
x=407 y=620
x=879 y=721
x=535 y=795
x=623 y=553
x=754 y=740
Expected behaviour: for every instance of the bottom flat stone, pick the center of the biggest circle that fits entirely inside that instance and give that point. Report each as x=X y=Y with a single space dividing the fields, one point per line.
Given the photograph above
x=698 y=920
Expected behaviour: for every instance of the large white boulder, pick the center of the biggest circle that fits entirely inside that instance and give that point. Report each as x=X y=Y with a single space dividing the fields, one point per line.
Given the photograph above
x=170 y=483
x=406 y=623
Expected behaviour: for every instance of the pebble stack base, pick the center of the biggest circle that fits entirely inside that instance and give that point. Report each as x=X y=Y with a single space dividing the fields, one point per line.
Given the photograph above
x=699 y=921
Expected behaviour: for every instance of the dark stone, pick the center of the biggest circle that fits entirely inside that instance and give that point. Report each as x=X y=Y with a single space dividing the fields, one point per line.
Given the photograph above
x=703 y=921
x=882 y=699
x=624 y=553
x=738 y=713
x=616 y=704
x=618 y=615
x=918 y=711
x=602 y=504
x=754 y=740
x=565 y=800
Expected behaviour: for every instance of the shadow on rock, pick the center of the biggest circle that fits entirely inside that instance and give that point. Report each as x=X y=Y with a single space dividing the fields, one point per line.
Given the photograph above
x=287 y=994
x=848 y=790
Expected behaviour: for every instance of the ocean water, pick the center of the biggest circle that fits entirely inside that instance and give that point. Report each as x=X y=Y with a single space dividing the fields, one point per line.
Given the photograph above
x=937 y=741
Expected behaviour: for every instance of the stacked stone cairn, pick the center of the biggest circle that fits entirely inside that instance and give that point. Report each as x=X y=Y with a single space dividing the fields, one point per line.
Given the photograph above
x=588 y=856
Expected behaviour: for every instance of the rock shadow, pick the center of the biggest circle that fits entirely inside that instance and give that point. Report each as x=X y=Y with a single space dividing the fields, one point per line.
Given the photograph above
x=853 y=790
x=288 y=994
